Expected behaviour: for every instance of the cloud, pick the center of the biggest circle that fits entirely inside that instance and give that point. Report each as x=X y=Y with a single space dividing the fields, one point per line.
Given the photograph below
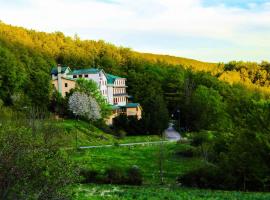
x=191 y=28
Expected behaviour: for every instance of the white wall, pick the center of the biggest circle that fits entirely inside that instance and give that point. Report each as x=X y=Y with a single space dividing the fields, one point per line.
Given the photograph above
x=103 y=85
x=110 y=94
x=100 y=79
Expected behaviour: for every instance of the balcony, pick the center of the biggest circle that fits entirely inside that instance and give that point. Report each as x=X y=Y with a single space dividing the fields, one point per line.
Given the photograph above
x=120 y=94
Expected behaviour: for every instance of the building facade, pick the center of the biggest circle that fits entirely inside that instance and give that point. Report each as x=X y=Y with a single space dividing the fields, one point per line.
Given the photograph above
x=113 y=88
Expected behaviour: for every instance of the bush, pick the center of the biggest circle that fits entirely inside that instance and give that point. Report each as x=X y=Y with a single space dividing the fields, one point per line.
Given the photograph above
x=185 y=150
x=115 y=175
x=31 y=167
x=100 y=124
x=120 y=134
x=187 y=153
x=89 y=176
x=207 y=176
x=134 y=176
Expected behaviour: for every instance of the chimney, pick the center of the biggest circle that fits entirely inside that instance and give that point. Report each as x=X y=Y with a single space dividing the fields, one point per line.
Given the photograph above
x=59 y=68
x=59 y=78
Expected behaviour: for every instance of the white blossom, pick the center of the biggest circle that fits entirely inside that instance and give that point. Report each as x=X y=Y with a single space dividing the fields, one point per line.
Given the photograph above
x=80 y=104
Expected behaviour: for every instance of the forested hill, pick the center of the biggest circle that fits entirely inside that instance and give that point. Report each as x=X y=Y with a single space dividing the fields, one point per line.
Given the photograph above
x=27 y=56
x=194 y=64
x=90 y=51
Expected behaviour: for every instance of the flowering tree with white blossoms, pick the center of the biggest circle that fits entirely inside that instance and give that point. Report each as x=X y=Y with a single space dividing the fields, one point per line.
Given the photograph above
x=80 y=104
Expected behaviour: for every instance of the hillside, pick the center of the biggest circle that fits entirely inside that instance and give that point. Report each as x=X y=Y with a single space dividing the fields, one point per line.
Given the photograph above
x=56 y=44
x=186 y=62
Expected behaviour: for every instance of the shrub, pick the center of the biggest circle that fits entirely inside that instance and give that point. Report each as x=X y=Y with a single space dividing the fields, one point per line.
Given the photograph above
x=120 y=134
x=115 y=175
x=187 y=153
x=134 y=176
x=185 y=150
x=207 y=176
x=89 y=176
x=31 y=167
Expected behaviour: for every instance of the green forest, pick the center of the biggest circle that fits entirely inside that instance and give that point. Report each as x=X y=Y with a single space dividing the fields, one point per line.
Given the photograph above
x=223 y=108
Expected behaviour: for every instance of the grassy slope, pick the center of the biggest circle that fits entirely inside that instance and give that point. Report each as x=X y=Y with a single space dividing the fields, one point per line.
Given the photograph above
x=89 y=135
x=146 y=158
x=112 y=192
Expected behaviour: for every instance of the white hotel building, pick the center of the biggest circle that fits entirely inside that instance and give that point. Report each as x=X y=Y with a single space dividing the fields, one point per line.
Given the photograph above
x=112 y=88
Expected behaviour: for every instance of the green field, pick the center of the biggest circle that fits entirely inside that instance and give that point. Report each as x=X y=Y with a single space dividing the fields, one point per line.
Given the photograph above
x=145 y=157
x=113 y=192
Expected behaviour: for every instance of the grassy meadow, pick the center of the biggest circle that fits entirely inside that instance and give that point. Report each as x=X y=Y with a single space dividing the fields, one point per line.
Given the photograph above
x=113 y=192
x=147 y=158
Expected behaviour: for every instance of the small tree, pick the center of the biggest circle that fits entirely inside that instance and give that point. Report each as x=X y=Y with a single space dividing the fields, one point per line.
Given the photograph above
x=90 y=88
x=84 y=106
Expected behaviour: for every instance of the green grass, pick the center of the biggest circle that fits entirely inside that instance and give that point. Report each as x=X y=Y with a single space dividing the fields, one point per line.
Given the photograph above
x=87 y=135
x=145 y=138
x=145 y=157
x=113 y=192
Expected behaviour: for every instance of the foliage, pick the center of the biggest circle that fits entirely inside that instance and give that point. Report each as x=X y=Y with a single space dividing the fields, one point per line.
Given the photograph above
x=130 y=124
x=120 y=134
x=90 y=88
x=82 y=105
x=113 y=175
x=205 y=177
x=209 y=110
x=241 y=157
x=32 y=166
x=134 y=176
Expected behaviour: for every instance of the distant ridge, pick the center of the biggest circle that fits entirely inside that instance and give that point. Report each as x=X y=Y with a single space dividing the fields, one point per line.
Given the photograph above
x=57 y=41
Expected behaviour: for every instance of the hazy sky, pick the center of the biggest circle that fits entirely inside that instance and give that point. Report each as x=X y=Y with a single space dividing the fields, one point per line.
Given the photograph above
x=209 y=30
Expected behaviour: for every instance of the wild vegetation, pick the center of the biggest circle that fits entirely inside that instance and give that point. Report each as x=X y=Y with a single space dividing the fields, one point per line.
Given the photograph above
x=223 y=110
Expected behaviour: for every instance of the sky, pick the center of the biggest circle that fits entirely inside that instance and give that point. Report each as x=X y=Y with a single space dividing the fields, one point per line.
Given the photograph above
x=207 y=30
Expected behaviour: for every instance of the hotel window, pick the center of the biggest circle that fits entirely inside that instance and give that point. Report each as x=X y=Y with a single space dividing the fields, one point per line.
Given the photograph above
x=80 y=76
x=66 y=85
x=86 y=75
x=74 y=76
